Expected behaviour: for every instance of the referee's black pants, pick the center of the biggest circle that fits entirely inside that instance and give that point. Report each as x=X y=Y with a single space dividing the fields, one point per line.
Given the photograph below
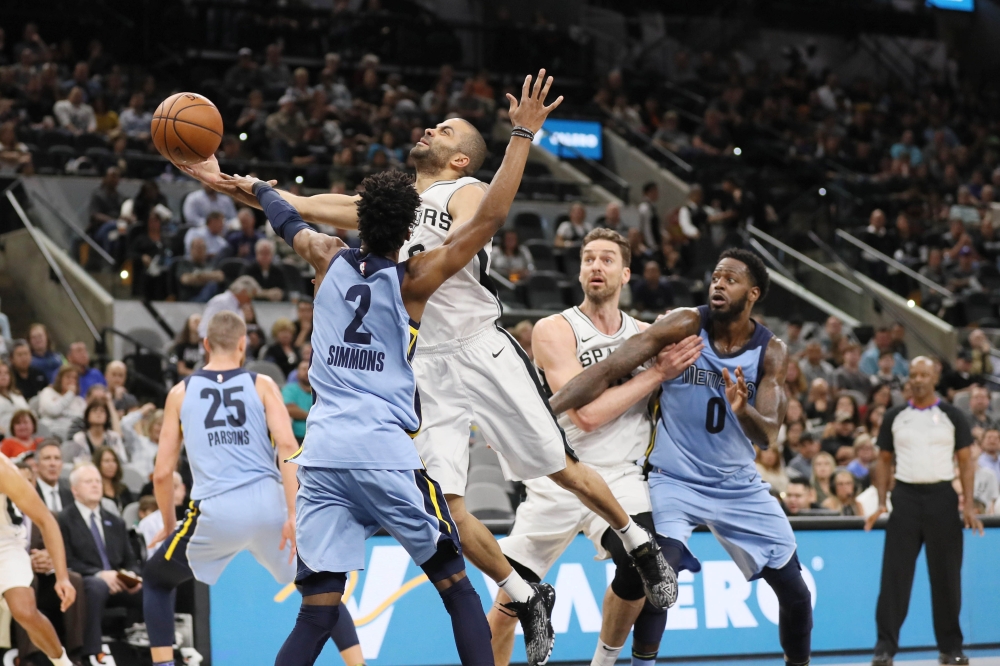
x=922 y=514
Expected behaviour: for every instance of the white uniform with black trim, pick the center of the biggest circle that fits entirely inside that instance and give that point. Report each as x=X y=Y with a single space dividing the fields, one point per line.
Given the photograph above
x=550 y=517
x=15 y=565
x=469 y=370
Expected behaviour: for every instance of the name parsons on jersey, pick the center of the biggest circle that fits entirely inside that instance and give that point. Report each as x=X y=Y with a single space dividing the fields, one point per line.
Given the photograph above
x=713 y=380
x=230 y=437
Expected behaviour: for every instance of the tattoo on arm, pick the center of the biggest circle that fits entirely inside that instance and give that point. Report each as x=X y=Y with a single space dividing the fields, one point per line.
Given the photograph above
x=762 y=421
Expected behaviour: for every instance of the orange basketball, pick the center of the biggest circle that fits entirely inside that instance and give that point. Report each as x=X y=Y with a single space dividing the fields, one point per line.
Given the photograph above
x=186 y=128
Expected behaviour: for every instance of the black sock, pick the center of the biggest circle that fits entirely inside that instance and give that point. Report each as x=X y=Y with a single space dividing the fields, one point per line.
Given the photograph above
x=648 y=630
x=344 y=633
x=472 y=631
x=311 y=631
x=795 y=619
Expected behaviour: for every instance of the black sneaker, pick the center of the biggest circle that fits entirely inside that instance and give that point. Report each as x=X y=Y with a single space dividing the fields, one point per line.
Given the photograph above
x=882 y=659
x=535 y=616
x=659 y=580
x=954 y=659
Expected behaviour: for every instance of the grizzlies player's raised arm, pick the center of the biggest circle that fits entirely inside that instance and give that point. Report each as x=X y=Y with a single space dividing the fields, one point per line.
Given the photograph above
x=280 y=426
x=168 y=452
x=595 y=380
x=554 y=345
x=427 y=271
x=336 y=210
x=761 y=421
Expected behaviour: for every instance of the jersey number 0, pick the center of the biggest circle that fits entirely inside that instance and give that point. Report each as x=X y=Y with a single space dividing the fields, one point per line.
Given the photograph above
x=715 y=417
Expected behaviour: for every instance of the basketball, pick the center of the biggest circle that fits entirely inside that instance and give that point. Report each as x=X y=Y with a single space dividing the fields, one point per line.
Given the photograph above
x=186 y=128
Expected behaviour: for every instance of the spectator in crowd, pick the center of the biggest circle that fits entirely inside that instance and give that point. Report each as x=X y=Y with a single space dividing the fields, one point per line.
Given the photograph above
x=989 y=459
x=201 y=203
x=571 y=232
x=898 y=333
x=109 y=465
x=74 y=114
x=298 y=399
x=141 y=435
x=822 y=474
x=819 y=406
x=849 y=375
x=285 y=128
x=669 y=137
x=79 y=357
x=713 y=138
x=841 y=434
x=845 y=491
x=105 y=204
x=197 y=280
x=882 y=342
x=212 y=234
x=979 y=409
x=282 y=351
x=253 y=118
x=256 y=341
x=43 y=354
x=880 y=396
x=649 y=218
x=812 y=364
x=136 y=119
x=115 y=377
x=103 y=429
x=186 y=352
x=690 y=217
x=55 y=491
x=905 y=148
x=885 y=374
x=11 y=400
x=522 y=333
x=958 y=378
x=864 y=458
x=149 y=255
x=795 y=382
x=97 y=547
x=798 y=498
x=831 y=335
x=771 y=468
x=274 y=73
x=243 y=241
x=981 y=350
x=653 y=293
x=801 y=465
x=612 y=218
x=793 y=339
x=151 y=520
x=60 y=402
x=961 y=277
x=240 y=293
x=22 y=437
x=511 y=259
x=270 y=278
x=332 y=85
x=242 y=77
x=986 y=488
x=15 y=157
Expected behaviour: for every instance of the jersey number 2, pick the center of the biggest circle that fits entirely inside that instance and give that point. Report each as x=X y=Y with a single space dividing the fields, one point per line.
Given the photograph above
x=225 y=398
x=352 y=334
x=715 y=418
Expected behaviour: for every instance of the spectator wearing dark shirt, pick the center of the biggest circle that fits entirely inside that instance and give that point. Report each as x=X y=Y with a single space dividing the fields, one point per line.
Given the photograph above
x=242 y=77
x=270 y=277
x=988 y=241
x=105 y=204
x=843 y=434
x=242 y=243
x=197 y=281
x=849 y=376
x=958 y=378
x=28 y=379
x=653 y=294
x=713 y=138
x=186 y=352
x=283 y=351
x=149 y=259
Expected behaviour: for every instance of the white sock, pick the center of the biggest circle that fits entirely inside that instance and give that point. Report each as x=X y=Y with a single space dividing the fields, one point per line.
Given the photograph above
x=62 y=660
x=516 y=588
x=633 y=536
x=636 y=661
x=605 y=655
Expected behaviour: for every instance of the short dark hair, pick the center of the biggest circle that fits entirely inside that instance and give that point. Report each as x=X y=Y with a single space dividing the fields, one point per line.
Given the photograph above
x=46 y=444
x=754 y=264
x=610 y=235
x=798 y=482
x=386 y=210
x=97 y=404
x=648 y=186
x=473 y=146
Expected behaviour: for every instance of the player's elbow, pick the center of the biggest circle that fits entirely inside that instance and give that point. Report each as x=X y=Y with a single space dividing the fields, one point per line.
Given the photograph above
x=162 y=474
x=585 y=421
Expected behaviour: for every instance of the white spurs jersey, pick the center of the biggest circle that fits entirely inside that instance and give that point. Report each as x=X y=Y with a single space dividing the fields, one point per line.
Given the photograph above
x=625 y=438
x=466 y=302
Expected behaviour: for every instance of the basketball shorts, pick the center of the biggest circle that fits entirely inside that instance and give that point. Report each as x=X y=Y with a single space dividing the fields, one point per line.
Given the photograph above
x=486 y=379
x=741 y=513
x=550 y=517
x=215 y=529
x=15 y=565
x=337 y=509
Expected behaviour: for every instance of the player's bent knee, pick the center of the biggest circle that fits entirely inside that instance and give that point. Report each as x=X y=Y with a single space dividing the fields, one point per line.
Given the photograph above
x=445 y=563
x=21 y=604
x=163 y=573
x=789 y=586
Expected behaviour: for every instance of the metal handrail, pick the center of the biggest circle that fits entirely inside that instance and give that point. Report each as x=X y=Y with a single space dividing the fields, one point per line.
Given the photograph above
x=669 y=154
x=53 y=265
x=902 y=268
x=76 y=228
x=603 y=170
x=811 y=263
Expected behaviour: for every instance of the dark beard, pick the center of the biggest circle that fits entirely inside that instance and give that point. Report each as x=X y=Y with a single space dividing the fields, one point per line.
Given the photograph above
x=427 y=161
x=730 y=314
x=601 y=296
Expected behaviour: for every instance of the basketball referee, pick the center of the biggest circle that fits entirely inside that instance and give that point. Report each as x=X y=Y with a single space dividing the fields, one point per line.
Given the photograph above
x=922 y=438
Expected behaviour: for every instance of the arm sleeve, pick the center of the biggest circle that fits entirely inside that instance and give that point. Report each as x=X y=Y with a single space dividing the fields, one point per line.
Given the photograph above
x=885 y=438
x=284 y=219
x=963 y=433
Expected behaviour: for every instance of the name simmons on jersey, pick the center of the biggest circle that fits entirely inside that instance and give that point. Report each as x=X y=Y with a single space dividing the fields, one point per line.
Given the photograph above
x=713 y=380
x=353 y=358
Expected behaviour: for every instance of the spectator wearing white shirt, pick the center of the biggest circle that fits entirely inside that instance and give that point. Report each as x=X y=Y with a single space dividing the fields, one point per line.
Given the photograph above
x=693 y=213
x=989 y=459
x=199 y=204
x=572 y=231
x=211 y=233
x=240 y=293
x=152 y=522
x=74 y=115
x=135 y=120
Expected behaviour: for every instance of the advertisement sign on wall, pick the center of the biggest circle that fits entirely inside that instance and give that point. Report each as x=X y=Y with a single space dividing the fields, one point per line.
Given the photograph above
x=401 y=620
x=570 y=139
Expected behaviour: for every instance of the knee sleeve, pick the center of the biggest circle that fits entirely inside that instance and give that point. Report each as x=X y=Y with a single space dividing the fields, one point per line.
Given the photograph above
x=445 y=563
x=789 y=585
x=647 y=631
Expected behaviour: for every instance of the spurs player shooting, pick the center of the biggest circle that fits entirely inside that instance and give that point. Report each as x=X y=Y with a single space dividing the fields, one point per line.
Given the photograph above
x=469 y=370
x=610 y=434
x=15 y=565
x=702 y=460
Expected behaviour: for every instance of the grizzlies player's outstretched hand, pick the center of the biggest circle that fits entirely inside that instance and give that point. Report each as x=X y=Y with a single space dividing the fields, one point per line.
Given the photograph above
x=531 y=111
x=674 y=359
x=737 y=392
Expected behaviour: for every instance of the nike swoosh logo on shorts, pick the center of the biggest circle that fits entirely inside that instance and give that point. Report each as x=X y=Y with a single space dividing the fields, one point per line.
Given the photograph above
x=499 y=352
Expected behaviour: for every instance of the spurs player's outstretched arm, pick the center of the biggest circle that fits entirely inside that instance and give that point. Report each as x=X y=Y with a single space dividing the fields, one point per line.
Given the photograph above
x=761 y=421
x=554 y=345
x=587 y=386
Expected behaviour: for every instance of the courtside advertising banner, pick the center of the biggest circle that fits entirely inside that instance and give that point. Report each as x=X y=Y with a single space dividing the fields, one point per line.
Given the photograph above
x=571 y=139
x=401 y=620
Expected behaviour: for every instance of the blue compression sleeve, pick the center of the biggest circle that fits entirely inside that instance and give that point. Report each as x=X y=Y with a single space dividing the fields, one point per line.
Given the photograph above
x=284 y=219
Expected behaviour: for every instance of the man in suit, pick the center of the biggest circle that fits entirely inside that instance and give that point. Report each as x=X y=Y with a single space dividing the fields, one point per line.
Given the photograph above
x=55 y=492
x=97 y=547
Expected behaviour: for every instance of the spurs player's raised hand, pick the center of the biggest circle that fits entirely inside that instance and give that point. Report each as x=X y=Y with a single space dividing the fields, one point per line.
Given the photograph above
x=531 y=111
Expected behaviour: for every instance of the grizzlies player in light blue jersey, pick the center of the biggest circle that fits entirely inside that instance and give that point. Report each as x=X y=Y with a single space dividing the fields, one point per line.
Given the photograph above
x=358 y=467
x=241 y=498
x=702 y=460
